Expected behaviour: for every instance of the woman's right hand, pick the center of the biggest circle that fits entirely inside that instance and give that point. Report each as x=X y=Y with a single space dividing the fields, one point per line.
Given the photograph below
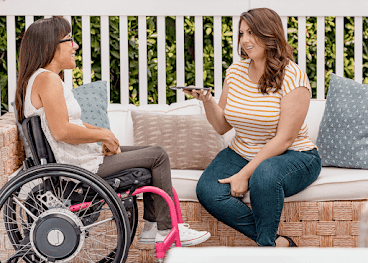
x=200 y=94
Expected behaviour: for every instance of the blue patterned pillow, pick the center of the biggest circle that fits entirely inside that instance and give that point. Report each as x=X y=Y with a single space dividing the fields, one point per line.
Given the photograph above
x=92 y=98
x=343 y=133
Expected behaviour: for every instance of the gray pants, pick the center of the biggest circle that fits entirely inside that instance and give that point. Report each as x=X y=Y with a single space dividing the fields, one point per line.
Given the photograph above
x=157 y=161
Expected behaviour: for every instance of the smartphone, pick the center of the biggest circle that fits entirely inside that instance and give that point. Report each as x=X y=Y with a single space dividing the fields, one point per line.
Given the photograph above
x=189 y=88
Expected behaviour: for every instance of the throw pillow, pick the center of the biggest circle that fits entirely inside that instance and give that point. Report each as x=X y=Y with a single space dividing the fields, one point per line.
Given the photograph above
x=189 y=140
x=92 y=99
x=343 y=134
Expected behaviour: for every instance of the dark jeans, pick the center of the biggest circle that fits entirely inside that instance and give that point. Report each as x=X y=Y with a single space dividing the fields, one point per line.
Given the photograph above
x=273 y=180
x=155 y=159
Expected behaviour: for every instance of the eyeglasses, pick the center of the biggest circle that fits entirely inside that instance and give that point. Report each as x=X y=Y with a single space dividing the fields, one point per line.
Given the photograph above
x=69 y=39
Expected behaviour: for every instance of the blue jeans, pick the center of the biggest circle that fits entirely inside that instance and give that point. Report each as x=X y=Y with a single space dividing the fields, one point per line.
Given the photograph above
x=273 y=180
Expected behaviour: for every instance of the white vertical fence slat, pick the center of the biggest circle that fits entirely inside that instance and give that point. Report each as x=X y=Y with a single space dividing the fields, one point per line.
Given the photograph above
x=161 y=59
x=105 y=53
x=29 y=21
x=198 y=46
x=180 y=59
x=217 y=45
x=358 y=49
x=68 y=73
x=236 y=56
x=124 y=60
x=339 y=27
x=142 y=56
x=302 y=61
x=86 y=49
x=320 y=57
x=48 y=16
x=284 y=20
x=11 y=60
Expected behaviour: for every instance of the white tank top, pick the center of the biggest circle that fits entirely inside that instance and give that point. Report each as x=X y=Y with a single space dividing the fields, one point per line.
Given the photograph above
x=89 y=155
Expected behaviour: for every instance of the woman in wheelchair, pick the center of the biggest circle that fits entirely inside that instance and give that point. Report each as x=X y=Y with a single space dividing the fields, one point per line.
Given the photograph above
x=47 y=49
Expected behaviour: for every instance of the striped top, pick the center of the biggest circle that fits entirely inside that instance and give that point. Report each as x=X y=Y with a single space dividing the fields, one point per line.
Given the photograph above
x=254 y=115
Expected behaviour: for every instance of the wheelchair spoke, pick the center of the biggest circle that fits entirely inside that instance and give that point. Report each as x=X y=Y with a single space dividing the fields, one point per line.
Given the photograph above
x=70 y=194
x=53 y=187
x=25 y=208
x=16 y=223
x=98 y=255
x=84 y=199
x=32 y=206
x=96 y=224
x=24 y=222
x=98 y=241
x=95 y=212
x=105 y=233
x=91 y=205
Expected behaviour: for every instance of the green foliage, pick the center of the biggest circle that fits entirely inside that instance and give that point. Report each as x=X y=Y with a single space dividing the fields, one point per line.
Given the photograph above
x=208 y=52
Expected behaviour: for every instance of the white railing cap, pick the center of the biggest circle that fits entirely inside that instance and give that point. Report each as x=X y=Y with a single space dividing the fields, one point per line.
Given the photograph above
x=182 y=7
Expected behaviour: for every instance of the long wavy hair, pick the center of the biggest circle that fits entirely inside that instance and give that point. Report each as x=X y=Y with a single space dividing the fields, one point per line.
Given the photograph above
x=267 y=27
x=38 y=47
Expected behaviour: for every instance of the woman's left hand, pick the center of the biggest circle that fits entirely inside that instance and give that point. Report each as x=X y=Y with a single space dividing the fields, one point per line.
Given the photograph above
x=107 y=152
x=238 y=184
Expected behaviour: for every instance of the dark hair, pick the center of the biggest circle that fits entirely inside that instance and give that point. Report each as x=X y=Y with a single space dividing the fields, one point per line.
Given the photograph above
x=267 y=27
x=38 y=47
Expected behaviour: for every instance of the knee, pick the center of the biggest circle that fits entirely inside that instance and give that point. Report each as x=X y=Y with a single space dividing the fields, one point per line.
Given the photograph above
x=160 y=152
x=202 y=191
x=208 y=191
x=264 y=177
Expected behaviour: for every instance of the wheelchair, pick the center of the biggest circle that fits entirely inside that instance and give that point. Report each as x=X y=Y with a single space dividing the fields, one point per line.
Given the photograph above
x=62 y=213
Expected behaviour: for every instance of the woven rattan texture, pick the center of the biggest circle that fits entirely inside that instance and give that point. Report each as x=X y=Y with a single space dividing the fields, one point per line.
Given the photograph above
x=11 y=149
x=316 y=224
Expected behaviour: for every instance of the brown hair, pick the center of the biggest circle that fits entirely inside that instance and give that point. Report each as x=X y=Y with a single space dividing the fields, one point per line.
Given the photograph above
x=267 y=27
x=38 y=47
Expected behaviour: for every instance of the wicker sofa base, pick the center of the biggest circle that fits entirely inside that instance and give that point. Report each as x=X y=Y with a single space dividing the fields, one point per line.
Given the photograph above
x=316 y=224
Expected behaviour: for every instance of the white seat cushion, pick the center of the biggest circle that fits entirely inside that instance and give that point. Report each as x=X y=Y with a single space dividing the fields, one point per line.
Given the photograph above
x=332 y=184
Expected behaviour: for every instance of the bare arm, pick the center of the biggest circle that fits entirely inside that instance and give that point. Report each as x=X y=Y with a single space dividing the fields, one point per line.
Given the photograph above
x=214 y=112
x=90 y=126
x=49 y=89
x=294 y=108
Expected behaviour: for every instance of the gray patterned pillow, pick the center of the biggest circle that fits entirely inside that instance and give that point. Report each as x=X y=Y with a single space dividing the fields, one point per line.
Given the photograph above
x=343 y=134
x=92 y=99
x=189 y=140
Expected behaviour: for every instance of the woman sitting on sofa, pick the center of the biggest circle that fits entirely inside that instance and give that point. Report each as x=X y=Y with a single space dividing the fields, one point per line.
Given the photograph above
x=265 y=98
x=47 y=49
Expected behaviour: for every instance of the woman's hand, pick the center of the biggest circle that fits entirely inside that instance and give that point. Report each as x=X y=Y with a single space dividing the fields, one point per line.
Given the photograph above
x=110 y=145
x=200 y=94
x=238 y=184
x=106 y=151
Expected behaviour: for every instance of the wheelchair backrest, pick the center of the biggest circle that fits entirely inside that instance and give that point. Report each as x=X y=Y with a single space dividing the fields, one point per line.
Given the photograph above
x=39 y=149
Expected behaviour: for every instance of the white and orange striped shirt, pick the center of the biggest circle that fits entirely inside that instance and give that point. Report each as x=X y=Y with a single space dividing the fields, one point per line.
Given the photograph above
x=255 y=115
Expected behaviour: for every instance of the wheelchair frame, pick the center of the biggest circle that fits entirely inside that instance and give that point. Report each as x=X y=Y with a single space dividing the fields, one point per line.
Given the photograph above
x=40 y=160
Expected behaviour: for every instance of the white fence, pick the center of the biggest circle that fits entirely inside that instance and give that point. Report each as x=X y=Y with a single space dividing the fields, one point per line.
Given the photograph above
x=180 y=9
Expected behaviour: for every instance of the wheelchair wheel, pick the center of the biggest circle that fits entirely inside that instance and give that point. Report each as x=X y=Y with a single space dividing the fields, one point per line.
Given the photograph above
x=50 y=217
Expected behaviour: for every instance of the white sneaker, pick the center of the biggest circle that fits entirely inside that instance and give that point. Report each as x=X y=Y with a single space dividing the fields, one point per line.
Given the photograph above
x=188 y=237
x=148 y=233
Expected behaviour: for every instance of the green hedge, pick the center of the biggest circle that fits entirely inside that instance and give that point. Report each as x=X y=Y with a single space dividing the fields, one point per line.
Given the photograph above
x=208 y=52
